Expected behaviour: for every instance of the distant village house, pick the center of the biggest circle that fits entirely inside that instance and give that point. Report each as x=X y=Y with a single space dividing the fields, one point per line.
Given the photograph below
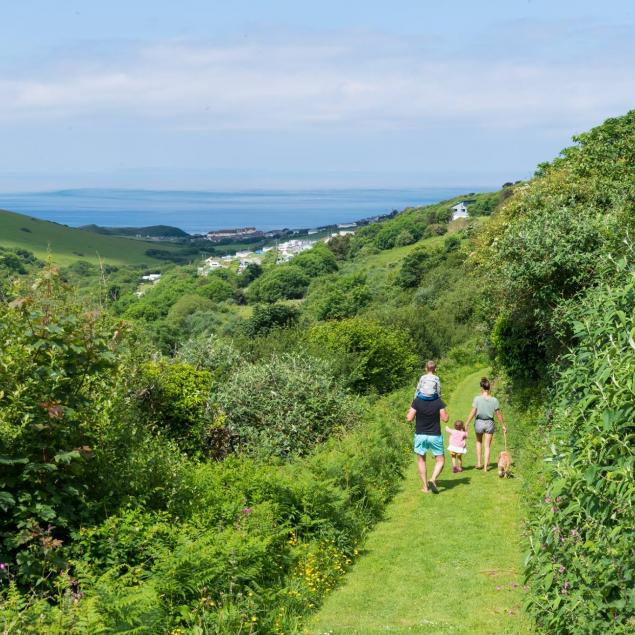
x=460 y=210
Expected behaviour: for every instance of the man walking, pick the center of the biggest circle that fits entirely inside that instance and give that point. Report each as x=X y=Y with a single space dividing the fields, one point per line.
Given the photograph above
x=429 y=415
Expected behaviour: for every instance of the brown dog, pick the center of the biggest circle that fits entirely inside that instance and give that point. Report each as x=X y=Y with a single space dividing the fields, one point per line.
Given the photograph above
x=504 y=464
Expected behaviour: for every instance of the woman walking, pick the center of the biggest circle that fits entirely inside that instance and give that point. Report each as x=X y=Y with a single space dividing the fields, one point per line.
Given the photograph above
x=484 y=407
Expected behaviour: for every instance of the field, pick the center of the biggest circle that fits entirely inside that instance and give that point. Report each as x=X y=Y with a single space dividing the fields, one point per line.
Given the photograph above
x=66 y=244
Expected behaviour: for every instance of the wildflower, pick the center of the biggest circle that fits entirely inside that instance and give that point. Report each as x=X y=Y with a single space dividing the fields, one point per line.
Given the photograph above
x=574 y=533
x=254 y=618
x=565 y=587
x=554 y=509
x=247 y=510
x=562 y=568
x=3 y=566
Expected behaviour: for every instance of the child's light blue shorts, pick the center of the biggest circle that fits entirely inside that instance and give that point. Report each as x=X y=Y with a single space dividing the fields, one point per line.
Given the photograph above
x=425 y=442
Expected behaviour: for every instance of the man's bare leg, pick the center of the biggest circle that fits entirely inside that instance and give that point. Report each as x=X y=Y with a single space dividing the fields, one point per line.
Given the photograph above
x=479 y=441
x=488 y=445
x=423 y=472
x=438 y=466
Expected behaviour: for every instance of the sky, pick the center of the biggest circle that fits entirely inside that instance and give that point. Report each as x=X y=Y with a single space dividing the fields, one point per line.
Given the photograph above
x=208 y=94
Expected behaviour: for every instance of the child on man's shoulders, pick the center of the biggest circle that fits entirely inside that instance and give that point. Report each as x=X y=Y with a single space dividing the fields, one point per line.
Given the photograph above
x=429 y=386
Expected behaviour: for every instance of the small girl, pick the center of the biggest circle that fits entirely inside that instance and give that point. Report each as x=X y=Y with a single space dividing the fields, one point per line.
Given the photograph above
x=429 y=386
x=456 y=445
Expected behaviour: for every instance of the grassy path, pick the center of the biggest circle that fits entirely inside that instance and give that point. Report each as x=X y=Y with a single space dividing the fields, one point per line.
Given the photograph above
x=446 y=563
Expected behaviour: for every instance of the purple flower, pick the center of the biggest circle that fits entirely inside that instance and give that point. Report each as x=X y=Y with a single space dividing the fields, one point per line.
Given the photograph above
x=558 y=499
x=554 y=509
x=3 y=566
x=565 y=587
x=246 y=511
x=562 y=568
x=574 y=532
x=547 y=499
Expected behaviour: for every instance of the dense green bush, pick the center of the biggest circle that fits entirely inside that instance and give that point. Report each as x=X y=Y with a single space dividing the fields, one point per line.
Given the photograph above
x=581 y=566
x=217 y=289
x=265 y=318
x=174 y=399
x=317 y=261
x=339 y=297
x=368 y=356
x=187 y=305
x=57 y=372
x=413 y=267
x=552 y=237
x=279 y=283
x=304 y=405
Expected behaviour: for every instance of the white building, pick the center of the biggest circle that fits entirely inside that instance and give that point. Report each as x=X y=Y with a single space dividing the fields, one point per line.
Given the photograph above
x=209 y=264
x=459 y=210
x=152 y=277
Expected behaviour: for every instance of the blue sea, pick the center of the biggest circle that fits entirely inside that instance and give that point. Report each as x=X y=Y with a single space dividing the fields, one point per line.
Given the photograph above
x=199 y=212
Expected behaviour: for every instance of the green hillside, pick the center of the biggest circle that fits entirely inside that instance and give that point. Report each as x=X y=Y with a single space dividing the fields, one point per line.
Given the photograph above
x=68 y=245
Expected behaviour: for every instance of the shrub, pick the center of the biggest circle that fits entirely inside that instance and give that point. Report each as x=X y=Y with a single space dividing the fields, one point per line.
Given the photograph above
x=268 y=317
x=340 y=246
x=368 y=356
x=317 y=261
x=174 y=399
x=56 y=378
x=342 y=297
x=252 y=271
x=187 y=305
x=279 y=283
x=413 y=267
x=217 y=290
x=581 y=566
x=304 y=404
x=210 y=353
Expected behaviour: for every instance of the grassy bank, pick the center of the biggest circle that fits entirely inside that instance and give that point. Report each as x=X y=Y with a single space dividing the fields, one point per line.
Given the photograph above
x=67 y=244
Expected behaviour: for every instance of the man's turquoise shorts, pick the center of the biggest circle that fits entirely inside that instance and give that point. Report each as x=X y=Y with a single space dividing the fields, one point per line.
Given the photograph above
x=425 y=442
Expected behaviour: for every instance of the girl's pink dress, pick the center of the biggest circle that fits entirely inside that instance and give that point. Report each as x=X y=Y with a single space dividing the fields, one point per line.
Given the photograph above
x=456 y=443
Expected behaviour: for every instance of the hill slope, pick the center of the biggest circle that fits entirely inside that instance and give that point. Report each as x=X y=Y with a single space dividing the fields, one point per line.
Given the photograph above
x=67 y=244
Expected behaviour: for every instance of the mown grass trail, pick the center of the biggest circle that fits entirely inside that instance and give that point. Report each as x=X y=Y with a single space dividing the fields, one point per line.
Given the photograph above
x=445 y=563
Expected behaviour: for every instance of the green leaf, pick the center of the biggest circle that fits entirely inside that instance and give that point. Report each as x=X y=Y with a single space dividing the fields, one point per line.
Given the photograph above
x=67 y=457
x=6 y=500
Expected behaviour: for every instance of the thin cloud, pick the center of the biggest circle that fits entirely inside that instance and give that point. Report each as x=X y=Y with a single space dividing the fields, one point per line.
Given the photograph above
x=336 y=80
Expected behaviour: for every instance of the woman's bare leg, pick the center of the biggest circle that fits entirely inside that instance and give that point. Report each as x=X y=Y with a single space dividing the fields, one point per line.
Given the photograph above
x=479 y=441
x=423 y=473
x=488 y=445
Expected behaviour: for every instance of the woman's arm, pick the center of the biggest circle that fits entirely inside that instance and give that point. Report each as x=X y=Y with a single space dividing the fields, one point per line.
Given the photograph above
x=499 y=415
x=469 y=419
